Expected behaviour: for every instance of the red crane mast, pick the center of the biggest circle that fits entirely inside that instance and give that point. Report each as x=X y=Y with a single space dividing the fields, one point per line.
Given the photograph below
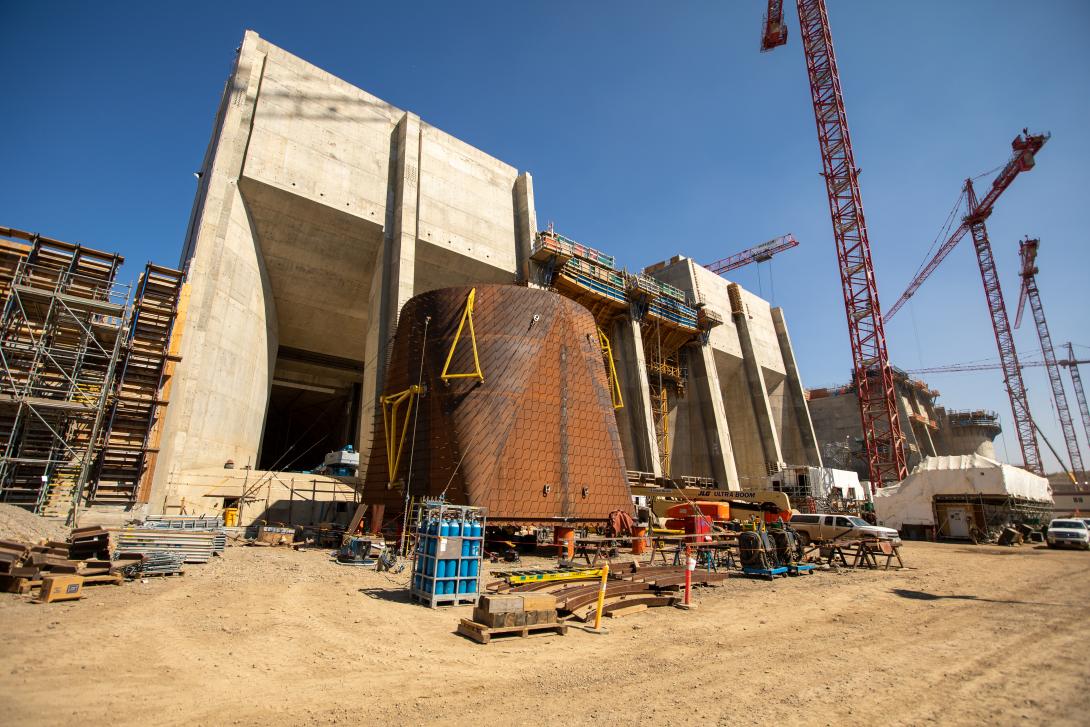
x=873 y=377
x=1004 y=340
x=756 y=254
x=1080 y=394
x=1027 y=249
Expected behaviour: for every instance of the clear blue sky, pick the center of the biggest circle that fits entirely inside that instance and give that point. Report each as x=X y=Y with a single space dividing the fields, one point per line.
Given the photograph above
x=651 y=128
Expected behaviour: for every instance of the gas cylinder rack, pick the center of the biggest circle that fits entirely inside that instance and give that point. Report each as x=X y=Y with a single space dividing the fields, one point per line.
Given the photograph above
x=449 y=544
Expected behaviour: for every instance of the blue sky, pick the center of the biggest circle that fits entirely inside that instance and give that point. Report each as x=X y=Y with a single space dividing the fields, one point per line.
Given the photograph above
x=651 y=128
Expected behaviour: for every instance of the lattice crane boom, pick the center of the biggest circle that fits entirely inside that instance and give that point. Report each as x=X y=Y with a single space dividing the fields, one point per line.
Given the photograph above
x=1027 y=249
x=960 y=368
x=873 y=377
x=1004 y=339
x=756 y=254
x=1080 y=393
x=1024 y=150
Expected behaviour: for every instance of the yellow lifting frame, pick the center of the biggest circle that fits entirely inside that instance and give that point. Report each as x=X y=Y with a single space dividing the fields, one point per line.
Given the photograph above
x=466 y=316
x=664 y=445
x=395 y=443
x=614 y=381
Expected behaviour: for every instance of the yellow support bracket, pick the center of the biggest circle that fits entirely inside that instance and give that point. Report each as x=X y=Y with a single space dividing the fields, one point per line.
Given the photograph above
x=392 y=406
x=614 y=381
x=466 y=316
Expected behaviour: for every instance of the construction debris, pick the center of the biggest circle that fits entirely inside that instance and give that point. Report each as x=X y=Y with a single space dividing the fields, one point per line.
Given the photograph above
x=25 y=567
x=156 y=563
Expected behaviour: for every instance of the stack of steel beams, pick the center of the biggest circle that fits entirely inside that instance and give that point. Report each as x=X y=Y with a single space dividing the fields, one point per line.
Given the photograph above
x=197 y=546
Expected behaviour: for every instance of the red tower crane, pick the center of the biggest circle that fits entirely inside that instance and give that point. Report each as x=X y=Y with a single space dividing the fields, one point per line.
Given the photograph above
x=1027 y=249
x=1025 y=148
x=755 y=254
x=873 y=377
x=1080 y=394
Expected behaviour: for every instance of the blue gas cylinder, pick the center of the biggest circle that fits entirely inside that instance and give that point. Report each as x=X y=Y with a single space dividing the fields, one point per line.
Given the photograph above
x=474 y=568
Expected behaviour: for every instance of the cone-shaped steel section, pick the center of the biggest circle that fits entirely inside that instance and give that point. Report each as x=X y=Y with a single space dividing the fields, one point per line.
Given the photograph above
x=535 y=441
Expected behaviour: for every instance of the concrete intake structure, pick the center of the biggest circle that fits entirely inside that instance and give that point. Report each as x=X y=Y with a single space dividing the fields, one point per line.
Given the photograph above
x=321 y=211
x=933 y=430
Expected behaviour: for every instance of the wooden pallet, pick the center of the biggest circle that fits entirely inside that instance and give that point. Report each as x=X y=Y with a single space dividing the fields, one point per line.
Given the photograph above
x=26 y=585
x=483 y=634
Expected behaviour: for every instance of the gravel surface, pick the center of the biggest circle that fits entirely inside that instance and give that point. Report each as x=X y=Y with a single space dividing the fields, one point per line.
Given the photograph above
x=26 y=527
x=270 y=636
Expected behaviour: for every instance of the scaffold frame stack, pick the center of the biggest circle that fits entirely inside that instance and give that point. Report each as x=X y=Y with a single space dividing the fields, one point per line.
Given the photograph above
x=60 y=337
x=137 y=402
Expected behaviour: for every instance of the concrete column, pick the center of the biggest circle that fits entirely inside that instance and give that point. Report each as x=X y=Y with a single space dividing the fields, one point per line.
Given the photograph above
x=798 y=394
x=705 y=385
x=758 y=391
x=914 y=452
x=927 y=444
x=525 y=224
x=637 y=391
x=228 y=342
x=394 y=278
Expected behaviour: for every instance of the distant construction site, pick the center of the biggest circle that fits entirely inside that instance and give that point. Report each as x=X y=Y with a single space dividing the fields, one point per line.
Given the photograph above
x=371 y=352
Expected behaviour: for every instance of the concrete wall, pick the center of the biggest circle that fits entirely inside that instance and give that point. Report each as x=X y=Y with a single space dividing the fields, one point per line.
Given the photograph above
x=927 y=429
x=321 y=209
x=744 y=409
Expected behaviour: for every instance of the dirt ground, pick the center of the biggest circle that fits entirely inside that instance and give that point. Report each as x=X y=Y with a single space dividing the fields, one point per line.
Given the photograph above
x=966 y=635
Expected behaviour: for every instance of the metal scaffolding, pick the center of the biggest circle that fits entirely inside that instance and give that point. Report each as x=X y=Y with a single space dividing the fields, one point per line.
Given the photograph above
x=61 y=331
x=138 y=400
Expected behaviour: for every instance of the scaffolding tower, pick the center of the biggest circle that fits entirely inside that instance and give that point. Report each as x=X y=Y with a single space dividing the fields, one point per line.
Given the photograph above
x=61 y=332
x=137 y=402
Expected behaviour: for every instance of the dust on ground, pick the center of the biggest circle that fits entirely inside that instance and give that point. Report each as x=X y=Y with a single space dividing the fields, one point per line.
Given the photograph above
x=967 y=635
x=24 y=526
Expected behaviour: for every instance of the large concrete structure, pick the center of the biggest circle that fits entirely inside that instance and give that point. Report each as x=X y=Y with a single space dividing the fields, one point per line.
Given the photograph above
x=322 y=210
x=933 y=431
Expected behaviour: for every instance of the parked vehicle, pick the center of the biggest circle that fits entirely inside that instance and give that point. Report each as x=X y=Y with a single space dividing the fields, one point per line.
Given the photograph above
x=820 y=528
x=1068 y=533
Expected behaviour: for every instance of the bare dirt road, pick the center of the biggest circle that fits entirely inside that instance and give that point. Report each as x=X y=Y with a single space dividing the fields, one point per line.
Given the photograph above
x=967 y=635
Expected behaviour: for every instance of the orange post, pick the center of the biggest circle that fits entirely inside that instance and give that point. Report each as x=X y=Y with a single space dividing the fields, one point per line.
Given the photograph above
x=564 y=538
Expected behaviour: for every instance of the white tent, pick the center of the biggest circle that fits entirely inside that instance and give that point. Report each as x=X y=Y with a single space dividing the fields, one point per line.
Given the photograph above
x=969 y=475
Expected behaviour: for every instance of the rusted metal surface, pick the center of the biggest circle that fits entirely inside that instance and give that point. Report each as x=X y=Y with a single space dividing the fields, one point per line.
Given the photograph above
x=535 y=441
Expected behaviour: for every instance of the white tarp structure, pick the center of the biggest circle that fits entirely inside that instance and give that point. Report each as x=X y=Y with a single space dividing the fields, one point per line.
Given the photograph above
x=970 y=475
x=825 y=479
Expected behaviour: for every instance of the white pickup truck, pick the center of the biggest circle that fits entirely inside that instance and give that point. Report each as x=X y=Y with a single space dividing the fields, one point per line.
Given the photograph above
x=821 y=528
